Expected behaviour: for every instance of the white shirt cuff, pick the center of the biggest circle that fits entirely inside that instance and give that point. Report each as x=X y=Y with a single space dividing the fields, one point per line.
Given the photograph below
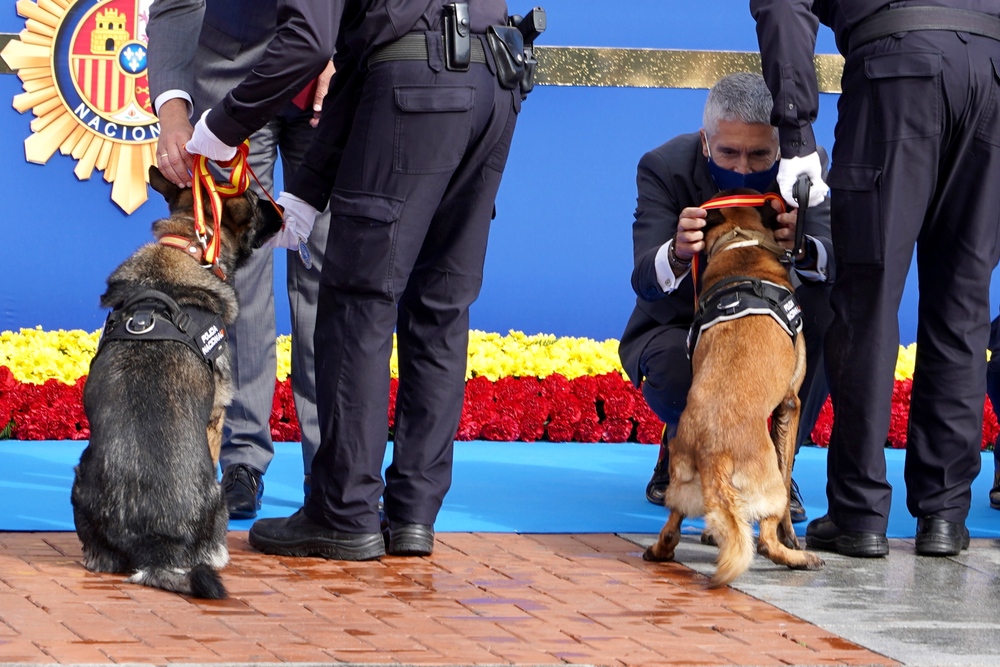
x=665 y=277
x=166 y=96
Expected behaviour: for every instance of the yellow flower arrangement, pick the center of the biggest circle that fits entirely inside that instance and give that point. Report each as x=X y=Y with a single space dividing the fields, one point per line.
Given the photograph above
x=904 y=362
x=34 y=355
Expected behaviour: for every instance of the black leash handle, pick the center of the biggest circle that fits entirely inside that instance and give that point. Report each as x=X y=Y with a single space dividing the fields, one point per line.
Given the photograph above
x=800 y=192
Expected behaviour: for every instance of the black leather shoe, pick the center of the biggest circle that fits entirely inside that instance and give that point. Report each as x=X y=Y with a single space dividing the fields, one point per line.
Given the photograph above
x=657 y=487
x=995 y=491
x=299 y=536
x=940 y=537
x=410 y=539
x=244 y=489
x=795 y=508
x=822 y=534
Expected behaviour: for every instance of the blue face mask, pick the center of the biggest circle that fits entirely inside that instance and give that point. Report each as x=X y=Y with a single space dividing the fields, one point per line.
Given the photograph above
x=728 y=179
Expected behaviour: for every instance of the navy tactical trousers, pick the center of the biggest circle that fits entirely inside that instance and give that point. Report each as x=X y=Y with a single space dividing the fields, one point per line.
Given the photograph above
x=916 y=162
x=410 y=216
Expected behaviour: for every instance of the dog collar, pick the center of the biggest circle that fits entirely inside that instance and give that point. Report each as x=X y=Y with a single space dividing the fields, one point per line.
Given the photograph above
x=743 y=238
x=193 y=250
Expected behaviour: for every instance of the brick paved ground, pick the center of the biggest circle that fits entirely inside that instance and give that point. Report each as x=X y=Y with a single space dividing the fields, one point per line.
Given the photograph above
x=482 y=598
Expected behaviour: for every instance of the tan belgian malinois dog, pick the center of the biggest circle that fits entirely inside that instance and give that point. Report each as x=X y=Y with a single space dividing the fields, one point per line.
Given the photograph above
x=726 y=463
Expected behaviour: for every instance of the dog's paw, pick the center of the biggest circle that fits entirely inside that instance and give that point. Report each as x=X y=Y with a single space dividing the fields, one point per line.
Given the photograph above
x=708 y=539
x=810 y=561
x=653 y=555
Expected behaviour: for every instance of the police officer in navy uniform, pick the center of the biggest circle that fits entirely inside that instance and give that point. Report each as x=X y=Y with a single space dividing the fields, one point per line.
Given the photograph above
x=411 y=145
x=736 y=147
x=186 y=77
x=916 y=162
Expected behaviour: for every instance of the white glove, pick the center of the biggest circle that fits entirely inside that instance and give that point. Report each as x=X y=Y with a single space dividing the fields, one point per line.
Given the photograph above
x=204 y=142
x=297 y=222
x=789 y=170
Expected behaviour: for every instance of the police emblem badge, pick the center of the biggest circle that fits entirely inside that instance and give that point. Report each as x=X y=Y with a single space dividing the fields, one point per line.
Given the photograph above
x=82 y=64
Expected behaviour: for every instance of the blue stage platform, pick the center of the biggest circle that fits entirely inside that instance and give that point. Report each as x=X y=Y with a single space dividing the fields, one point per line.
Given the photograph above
x=516 y=487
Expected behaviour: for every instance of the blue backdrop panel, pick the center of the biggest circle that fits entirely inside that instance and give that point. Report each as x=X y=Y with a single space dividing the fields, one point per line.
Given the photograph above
x=560 y=253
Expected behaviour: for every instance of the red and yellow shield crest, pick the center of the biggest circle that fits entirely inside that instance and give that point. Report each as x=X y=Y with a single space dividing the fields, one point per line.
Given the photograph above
x=83 y=69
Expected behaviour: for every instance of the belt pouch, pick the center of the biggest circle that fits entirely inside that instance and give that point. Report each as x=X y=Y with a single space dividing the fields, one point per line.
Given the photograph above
x=457 y=37
x=507 y=45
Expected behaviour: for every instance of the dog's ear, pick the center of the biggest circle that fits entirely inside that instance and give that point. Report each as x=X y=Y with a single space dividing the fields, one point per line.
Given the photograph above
x=161 y=184
x=768 y=215
x=713 y=219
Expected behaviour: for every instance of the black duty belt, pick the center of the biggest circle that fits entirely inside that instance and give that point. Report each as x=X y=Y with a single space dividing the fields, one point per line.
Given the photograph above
x=742 y=296
x=152 y=315
x=413 y=46
x=909 y=19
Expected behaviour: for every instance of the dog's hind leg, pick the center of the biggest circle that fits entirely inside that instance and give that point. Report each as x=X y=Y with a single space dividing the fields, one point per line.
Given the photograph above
x=670 y=536
x=784 y=427
x=768 y=545
x=215 y=423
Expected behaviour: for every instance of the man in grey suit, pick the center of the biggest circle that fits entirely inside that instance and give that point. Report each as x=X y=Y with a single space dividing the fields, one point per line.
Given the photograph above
x=198 y=51
x=736 y=148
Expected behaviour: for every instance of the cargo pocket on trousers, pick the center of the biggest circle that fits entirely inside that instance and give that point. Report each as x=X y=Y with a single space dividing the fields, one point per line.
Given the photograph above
x=856 y=209
x=498 y=156
x=989 y=125
x=363 y=241
x=432 y=128
x=906 y=94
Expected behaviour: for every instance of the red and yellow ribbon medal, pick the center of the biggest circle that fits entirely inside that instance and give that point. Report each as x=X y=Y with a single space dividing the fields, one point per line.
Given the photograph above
x=204 y=184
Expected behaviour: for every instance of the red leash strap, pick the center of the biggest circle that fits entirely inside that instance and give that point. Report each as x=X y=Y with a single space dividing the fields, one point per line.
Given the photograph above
x=694 y=279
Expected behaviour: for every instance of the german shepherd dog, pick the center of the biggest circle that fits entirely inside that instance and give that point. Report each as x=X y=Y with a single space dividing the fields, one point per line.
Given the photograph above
x=146 y=499
x=725 y=464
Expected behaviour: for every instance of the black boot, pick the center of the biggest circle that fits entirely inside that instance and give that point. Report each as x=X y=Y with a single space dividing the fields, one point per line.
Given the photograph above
x=244 y=489
x=995 y=491
x=657 y=487
x=795 y=508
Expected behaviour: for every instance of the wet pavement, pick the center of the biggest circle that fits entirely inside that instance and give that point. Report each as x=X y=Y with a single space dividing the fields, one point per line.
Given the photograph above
x=480 y=599
x=920 y=611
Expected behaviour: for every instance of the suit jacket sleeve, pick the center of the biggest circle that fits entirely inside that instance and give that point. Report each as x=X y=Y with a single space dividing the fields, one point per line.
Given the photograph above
x=171 y=49
x=656 y=215
x=305 y=38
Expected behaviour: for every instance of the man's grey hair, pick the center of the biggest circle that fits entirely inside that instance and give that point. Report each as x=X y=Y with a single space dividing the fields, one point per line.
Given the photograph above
x=742 y=96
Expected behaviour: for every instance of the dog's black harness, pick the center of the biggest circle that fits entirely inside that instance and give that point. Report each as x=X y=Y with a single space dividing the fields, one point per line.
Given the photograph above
x=740 y=296
x=152 y=315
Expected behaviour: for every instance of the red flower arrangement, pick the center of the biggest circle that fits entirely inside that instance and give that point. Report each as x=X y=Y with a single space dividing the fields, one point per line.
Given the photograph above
x=601 y=408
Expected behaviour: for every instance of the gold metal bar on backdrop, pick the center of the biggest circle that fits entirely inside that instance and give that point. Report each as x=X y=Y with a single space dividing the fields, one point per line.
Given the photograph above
x=658 y=68
x=588 y=66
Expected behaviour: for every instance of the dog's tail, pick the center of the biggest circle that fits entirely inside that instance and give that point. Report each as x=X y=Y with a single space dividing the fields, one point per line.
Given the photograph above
x=728 y=520
x=201 y=581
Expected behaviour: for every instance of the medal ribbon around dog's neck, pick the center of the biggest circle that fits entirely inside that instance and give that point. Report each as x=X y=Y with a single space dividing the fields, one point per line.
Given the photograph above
x=735 y=201
x=204 y=184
